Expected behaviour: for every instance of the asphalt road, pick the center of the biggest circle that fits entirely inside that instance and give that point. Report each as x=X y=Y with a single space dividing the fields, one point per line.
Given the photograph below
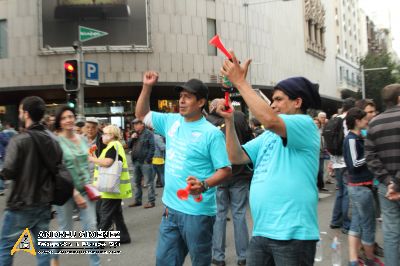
x=143 y=227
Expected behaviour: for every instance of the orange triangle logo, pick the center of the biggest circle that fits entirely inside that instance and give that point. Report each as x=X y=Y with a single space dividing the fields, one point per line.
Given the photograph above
x=24 y=243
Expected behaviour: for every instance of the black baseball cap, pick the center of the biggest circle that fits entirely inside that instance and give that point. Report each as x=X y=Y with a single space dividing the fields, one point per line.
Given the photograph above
x=195 y=86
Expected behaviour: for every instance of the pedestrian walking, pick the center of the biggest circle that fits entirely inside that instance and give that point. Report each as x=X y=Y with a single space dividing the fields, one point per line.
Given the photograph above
x=28 y=204
x=111 y=210
x=75 y=159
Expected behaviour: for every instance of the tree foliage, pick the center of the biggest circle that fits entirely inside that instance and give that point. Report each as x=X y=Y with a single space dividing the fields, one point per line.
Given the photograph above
x=377 y=79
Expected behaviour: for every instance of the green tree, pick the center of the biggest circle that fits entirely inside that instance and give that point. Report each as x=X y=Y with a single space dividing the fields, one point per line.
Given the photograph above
x=376 y=80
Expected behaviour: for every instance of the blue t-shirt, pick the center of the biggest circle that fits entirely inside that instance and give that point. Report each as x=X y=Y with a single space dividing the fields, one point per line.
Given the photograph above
x=192 y=149
x=283 y=192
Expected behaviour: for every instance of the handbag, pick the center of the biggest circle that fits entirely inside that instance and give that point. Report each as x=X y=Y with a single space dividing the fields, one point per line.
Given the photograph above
x=110 y=177
x=63 y=185
x=92 y=192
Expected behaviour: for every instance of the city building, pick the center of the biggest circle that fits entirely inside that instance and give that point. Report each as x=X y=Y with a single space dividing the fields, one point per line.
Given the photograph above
x=284 y=38
x=350 y=31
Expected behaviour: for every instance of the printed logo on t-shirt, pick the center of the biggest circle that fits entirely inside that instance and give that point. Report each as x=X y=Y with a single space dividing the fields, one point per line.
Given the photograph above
x=196 y=136
x=174 y=128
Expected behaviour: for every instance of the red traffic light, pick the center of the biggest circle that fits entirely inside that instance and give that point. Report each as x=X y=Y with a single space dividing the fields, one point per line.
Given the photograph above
x=69 y=67
x=71 y=73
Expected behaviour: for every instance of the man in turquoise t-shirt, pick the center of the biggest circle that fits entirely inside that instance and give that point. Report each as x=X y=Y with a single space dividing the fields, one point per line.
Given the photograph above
x=195 y=156
x=283 y=192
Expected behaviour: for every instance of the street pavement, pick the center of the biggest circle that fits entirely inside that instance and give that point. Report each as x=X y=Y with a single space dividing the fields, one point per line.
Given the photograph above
x=143 y=227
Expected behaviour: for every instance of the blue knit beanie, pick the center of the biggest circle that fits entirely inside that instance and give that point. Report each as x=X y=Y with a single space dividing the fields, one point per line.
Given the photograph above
x=300 y=87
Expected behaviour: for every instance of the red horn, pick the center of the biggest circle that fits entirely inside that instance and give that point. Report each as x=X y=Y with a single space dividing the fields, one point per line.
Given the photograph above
x=215 y=41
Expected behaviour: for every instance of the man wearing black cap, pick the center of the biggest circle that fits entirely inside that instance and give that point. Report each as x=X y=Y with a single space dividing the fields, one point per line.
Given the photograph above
x=196 y=158
x=142 y=148
x=283 y=191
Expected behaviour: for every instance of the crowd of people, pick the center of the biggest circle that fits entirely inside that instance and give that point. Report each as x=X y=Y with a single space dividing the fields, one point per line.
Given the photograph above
x=225 y=163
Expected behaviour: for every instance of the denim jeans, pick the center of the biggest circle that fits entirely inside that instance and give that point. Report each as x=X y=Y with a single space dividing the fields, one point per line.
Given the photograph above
x=159 y=171
x=87 y=217
x=181 y=233
x=340 y=216
x=362 y=214
x=15 y=222
x=390 y=227
x=233 y=196
x=269 y=252
x=1 y=180
x=145 y=171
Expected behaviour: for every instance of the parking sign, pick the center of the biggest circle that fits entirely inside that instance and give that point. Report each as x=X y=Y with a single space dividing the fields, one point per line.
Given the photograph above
x=92 y=73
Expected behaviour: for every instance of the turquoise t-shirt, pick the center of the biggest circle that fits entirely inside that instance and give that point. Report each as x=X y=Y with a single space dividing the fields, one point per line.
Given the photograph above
x=283 y=192
x=192 y=149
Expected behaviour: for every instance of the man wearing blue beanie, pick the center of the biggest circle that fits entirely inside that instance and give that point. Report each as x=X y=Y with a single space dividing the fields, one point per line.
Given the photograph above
x=283 y=192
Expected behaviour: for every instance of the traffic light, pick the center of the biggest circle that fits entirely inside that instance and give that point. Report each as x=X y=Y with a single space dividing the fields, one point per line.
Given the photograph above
x=71 y=79
x=71 y=100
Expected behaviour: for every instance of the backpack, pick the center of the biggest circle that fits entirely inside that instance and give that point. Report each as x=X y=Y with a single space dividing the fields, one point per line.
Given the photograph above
x=333 y=134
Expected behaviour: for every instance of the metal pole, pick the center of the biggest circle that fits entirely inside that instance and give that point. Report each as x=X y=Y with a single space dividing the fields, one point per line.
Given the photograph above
x=81 y=91
x=362 y=82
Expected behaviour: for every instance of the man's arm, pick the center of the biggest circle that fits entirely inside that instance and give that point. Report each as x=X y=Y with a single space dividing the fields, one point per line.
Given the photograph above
x=143 y=104
x=217 y=178
x=11 y=164
x=259 y=108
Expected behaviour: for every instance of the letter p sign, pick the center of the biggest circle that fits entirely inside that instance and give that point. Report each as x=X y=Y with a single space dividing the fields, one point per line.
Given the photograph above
x=92 y=73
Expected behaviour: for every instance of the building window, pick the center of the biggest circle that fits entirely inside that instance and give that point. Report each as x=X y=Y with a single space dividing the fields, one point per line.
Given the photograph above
x=3 y=39
x=314 y=28
x=211 y=31
x=341 y=73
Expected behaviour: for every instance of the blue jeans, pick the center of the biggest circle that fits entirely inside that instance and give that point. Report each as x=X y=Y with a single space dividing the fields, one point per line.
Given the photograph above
x=88 y=221
x=146 y=171
x=159 y=170
x=390 y=227
x=1 y=180
x=182 y=233
x=234 y=196
x=340 y=215
x=363 y=215
x=268 y=252
x=15 y=222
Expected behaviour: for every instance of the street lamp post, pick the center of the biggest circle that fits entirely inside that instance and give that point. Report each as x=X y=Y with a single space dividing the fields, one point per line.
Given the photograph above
x=363 y=70
x=246 y=4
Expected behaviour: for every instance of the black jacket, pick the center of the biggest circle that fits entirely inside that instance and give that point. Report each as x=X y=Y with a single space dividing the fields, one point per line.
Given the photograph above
x=244 y=134
x=33 y=184
x=353 y=153
x=142 y=147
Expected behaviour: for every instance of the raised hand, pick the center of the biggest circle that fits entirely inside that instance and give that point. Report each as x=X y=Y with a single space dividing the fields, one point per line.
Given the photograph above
x=235 y=71
x=221 y=109
x=150 y=78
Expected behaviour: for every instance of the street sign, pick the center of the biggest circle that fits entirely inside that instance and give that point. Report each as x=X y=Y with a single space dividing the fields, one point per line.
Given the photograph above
x=91 y=73
x=86 y=34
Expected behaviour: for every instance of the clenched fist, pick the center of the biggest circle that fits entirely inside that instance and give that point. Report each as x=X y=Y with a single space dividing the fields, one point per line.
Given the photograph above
x=150 y=78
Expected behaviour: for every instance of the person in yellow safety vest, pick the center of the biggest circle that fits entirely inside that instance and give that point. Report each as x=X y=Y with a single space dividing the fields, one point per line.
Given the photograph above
x=110 y=209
